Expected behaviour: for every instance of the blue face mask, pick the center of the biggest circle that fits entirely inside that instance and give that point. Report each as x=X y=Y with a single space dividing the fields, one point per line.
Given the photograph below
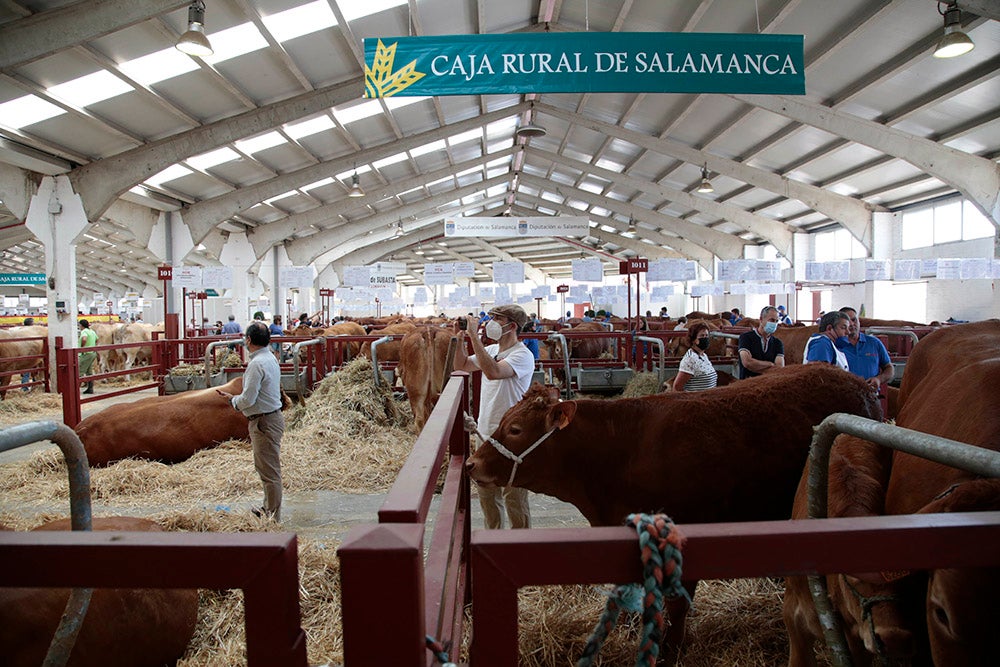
x=842 y=341
x=770 y=327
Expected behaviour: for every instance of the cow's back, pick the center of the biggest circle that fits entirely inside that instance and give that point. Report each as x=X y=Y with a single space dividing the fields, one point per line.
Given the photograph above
x=163 y=428
x=123 y=627
x=734 y=453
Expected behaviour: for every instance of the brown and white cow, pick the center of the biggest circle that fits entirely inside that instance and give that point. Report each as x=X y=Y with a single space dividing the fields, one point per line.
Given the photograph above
x=948 y=391
x=163 y=428
x=136 y=332
x=731 y=454
x=110 y=360
x=424 y=367
x=122 y=628
x=12 y=346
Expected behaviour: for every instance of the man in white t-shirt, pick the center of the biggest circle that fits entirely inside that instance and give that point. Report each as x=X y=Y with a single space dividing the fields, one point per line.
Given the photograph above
x=507 y=366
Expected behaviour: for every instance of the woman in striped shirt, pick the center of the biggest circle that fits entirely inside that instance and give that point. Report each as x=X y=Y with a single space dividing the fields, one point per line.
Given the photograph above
x=696 y=371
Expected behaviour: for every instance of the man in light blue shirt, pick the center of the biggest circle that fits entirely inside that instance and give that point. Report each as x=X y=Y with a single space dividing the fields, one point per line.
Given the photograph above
x=232 y=326
x=261 y=403
x=866 y=355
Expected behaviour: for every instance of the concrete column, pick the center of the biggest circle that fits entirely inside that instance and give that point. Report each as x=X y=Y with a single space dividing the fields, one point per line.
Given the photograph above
x=56 y=217
x=239 y=254
x=270 y=276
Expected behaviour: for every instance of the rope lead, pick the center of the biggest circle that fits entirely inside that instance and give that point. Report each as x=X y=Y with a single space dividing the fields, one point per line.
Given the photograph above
x=660 y=551
x=440 y=652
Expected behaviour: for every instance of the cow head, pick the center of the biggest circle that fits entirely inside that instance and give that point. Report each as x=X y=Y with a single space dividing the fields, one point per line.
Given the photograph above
x=873 y=613
x=521 y=432
x=963 y=604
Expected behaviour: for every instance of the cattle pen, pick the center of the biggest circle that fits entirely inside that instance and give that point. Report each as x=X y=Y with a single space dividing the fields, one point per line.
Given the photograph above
x=385 y=560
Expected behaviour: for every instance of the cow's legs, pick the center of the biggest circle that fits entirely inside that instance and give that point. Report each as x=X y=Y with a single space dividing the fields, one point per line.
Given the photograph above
x=673 y=638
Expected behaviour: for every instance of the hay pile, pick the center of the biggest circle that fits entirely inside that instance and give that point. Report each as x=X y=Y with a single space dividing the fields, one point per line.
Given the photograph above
x=642 y=384
x=24 y=406
x=351 y=437
x=733 y=623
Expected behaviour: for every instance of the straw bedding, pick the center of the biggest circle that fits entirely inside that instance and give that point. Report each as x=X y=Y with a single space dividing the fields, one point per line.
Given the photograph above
x=353 y=437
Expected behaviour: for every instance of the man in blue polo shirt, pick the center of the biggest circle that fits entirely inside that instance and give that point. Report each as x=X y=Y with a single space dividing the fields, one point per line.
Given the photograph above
x=866 y=355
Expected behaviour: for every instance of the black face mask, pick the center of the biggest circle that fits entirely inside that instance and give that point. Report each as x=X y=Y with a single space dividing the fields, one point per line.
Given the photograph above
x=703 y=343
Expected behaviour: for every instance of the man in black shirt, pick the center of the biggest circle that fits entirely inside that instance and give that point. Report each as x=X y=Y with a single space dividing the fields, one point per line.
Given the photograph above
x=759 y=350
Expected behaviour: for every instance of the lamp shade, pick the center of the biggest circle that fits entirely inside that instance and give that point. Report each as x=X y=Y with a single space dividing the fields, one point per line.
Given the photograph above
x=355 y=190
x=194 y=42
x=530 y=131
x=954 y=42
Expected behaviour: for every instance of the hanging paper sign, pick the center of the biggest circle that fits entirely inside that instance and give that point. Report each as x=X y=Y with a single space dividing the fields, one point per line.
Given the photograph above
x=949 y=269
x=296 y=276
x=976 y=268
x=219 y=277
x=439 y=273
x=508 y=272
x=876 y=269
x=588 y=270
x=594 y=62
x=188 y=276
x=465 y=270
x=357 y=276
x=906 y=269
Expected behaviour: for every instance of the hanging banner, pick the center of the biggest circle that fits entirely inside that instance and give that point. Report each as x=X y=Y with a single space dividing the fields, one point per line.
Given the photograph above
x=504 y=226
x=188 y=276
x=22 y=278
x=587 y=62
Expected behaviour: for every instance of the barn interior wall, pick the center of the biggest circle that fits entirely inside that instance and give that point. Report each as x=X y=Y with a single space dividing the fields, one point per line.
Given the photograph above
x=959 y=299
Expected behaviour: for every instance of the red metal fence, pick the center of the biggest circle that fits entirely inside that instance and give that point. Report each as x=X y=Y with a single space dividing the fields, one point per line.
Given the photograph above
x=383 y=564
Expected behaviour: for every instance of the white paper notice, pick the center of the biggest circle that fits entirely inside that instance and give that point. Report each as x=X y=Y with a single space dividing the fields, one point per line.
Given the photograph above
x=217 y=277
x=876 y=269
x=906 y=269
x=440 y=273
x=588 y=270
x=188 y=276
x=949 y=269
x=508 y=272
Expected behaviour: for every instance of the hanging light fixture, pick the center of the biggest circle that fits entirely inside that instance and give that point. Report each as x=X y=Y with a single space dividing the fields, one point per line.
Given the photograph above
x=631 y=225
x=399 y=229
x=530 y=130
x=420 y=249
x=954 y=42
x=194 y=42
x=355 y=190
x=706 y=185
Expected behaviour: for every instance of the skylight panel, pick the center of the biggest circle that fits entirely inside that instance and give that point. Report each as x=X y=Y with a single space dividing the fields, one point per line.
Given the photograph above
x=235 y=41
x=281 y=196
x=476 y=133
x=158 y=66
x=392 y=159
x=590 y=186
x=171 y=173
x=259 y=143
x=301 y=20
x=446 y=179
x=498 y=145
x=501 y=127
x=498 y=162
x=357 y=112
x=357 y=9
x=27 y=110
x=318 y=184
x=496 y=190
x=213 y=158
x=308 y=127
x=393 y=103
x=432 y=147
x=604 y=163
x=90 y=89
x=472 y=170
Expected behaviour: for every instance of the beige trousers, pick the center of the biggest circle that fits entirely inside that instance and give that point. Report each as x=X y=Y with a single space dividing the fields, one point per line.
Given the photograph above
x=265 y=437
x=493 y=499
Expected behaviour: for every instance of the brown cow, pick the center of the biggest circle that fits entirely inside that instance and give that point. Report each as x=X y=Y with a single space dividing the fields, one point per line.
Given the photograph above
x=137 y=332
x=424 y=367
x=122 y=628
x=794 y=339
x=347 y=329
x=947 y=391
x=388 y=351
x=163 y=428
x=11 y=346
x=109 y=360
x=731 y=454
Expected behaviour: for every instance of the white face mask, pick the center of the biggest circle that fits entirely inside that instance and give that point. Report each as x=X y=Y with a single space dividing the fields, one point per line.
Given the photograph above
x=494 y=330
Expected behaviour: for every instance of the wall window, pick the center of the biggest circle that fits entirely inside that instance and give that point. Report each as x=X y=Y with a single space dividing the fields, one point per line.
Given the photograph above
x=839 y=244
x=944 y=222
